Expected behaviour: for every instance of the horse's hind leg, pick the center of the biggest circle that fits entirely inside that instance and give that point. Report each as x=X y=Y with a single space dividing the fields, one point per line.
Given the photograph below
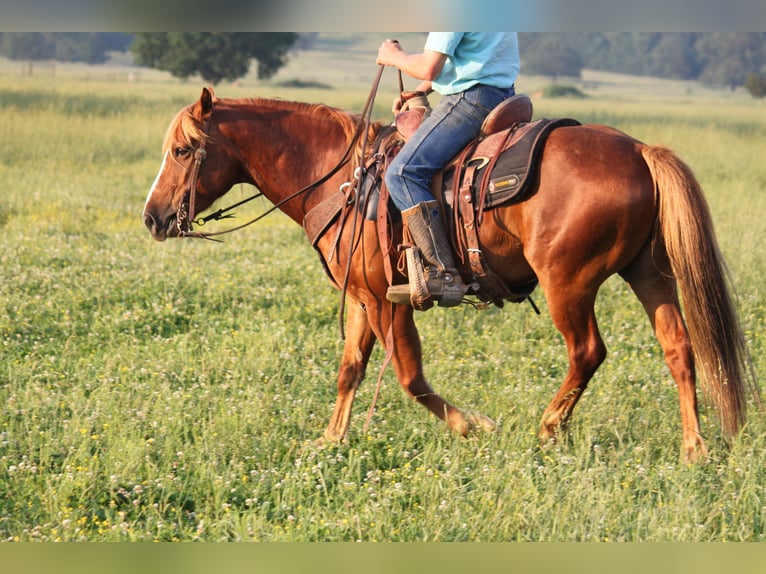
x=651 y=280
x=572 y=311
x=360 y=340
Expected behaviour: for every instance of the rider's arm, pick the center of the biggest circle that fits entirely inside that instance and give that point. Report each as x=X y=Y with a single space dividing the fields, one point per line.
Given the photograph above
x=423 y=66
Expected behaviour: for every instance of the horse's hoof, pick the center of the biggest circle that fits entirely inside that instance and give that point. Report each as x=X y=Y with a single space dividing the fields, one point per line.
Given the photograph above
x=480 y=422
x=328 y=439
x=694 y=451
x=547 y=435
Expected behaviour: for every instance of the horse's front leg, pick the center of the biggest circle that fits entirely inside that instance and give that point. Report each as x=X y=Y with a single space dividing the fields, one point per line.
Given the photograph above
x=408 y=365
x=360 y=339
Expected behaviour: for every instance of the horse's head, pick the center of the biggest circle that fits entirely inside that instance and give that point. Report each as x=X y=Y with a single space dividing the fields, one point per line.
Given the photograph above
x=196 y=170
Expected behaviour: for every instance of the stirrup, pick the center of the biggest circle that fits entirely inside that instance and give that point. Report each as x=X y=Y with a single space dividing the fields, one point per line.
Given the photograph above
x=399 y=294
x=416 y=292
x=420 y=294
x=426 y=285
x=450 y=297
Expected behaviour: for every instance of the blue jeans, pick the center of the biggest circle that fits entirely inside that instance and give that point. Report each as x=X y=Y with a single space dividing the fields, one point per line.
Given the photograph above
x=452 y=124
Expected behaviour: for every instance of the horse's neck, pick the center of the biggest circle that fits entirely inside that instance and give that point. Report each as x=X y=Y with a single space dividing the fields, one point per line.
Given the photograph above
x=287 y=150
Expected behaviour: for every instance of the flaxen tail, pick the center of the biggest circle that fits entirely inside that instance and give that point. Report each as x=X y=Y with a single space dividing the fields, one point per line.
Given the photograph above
x=720 y=350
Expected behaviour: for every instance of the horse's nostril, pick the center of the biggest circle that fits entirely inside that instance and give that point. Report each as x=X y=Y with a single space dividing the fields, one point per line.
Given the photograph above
x=150 y=222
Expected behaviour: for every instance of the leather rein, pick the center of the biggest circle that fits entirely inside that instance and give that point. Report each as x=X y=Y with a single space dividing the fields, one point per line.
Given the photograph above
x=185 y=216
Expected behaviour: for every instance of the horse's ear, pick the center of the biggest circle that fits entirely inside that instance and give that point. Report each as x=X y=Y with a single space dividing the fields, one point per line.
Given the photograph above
x=205 y=106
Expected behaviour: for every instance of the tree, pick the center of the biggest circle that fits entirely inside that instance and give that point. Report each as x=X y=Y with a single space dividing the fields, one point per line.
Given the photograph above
x=550 y=55
x=26 y=46
x=756 y=85
x=214 y=56
x=728 y=57
x=79 y=47
x=674 y=57
x=718 y=58
x=90 y=47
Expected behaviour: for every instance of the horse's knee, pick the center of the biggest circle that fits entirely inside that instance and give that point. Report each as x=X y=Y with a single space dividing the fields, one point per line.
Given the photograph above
x=350 y=375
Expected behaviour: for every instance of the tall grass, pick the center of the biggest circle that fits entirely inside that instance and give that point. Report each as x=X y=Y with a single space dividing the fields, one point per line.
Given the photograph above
x=174 y=391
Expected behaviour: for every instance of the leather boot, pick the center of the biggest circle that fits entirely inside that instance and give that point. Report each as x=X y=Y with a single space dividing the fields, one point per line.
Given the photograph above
x=431 y=268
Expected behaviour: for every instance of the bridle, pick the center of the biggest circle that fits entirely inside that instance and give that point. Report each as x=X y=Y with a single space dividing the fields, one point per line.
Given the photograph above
x=185 y=215
x=187 y=208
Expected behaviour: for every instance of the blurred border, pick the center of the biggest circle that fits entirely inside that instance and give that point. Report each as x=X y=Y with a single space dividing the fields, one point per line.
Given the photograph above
x=383 y=558
x=366 y=15
x=404 y=15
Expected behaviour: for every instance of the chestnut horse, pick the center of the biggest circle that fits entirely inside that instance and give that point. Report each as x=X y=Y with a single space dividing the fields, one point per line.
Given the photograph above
x=603 y=203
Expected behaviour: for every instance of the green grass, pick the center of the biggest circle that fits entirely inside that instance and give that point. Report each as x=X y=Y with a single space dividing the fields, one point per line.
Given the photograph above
x=173 y=391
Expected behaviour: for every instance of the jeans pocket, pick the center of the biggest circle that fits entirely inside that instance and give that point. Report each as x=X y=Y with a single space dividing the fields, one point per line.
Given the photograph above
x=483 y=99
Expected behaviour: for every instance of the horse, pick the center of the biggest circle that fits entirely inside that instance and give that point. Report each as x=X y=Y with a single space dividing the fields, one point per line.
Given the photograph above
x=603 y=203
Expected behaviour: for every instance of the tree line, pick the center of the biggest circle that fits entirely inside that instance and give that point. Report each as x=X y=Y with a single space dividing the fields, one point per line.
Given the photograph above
x=88 y=47
x=215 y=56
x=715 y=58
x=729 y=59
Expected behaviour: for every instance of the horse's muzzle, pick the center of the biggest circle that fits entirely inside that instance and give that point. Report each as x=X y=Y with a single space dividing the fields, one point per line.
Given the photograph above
x=159 y=228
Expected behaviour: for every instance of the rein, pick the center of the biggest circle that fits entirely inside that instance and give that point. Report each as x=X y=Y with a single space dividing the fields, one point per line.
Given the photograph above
x=186 y=211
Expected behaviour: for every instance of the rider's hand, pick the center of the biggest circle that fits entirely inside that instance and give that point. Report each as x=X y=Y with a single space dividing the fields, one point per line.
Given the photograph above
x=388 y=53
x=396 y=107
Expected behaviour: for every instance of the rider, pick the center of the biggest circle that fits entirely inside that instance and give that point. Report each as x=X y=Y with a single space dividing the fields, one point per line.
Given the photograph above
x=473 y=72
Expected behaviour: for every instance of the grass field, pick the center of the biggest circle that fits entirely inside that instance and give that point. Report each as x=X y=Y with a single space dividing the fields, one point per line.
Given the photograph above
x=173 y=391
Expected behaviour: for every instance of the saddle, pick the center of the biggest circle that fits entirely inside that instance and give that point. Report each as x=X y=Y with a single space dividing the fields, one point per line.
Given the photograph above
x=414 y=110
x=497 y=168
x=513 y=110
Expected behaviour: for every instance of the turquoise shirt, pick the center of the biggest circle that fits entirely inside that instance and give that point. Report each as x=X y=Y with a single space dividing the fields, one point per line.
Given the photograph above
x=490 y=58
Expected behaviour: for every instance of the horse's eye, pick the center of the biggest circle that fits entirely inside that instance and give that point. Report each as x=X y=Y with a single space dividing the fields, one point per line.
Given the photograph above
x=180 y=151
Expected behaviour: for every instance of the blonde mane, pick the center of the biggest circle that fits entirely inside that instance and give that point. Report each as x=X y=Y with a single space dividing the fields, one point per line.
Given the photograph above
x=183 y=131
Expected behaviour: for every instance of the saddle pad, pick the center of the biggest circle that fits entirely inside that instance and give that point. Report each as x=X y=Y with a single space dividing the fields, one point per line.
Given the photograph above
x=513 y=173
